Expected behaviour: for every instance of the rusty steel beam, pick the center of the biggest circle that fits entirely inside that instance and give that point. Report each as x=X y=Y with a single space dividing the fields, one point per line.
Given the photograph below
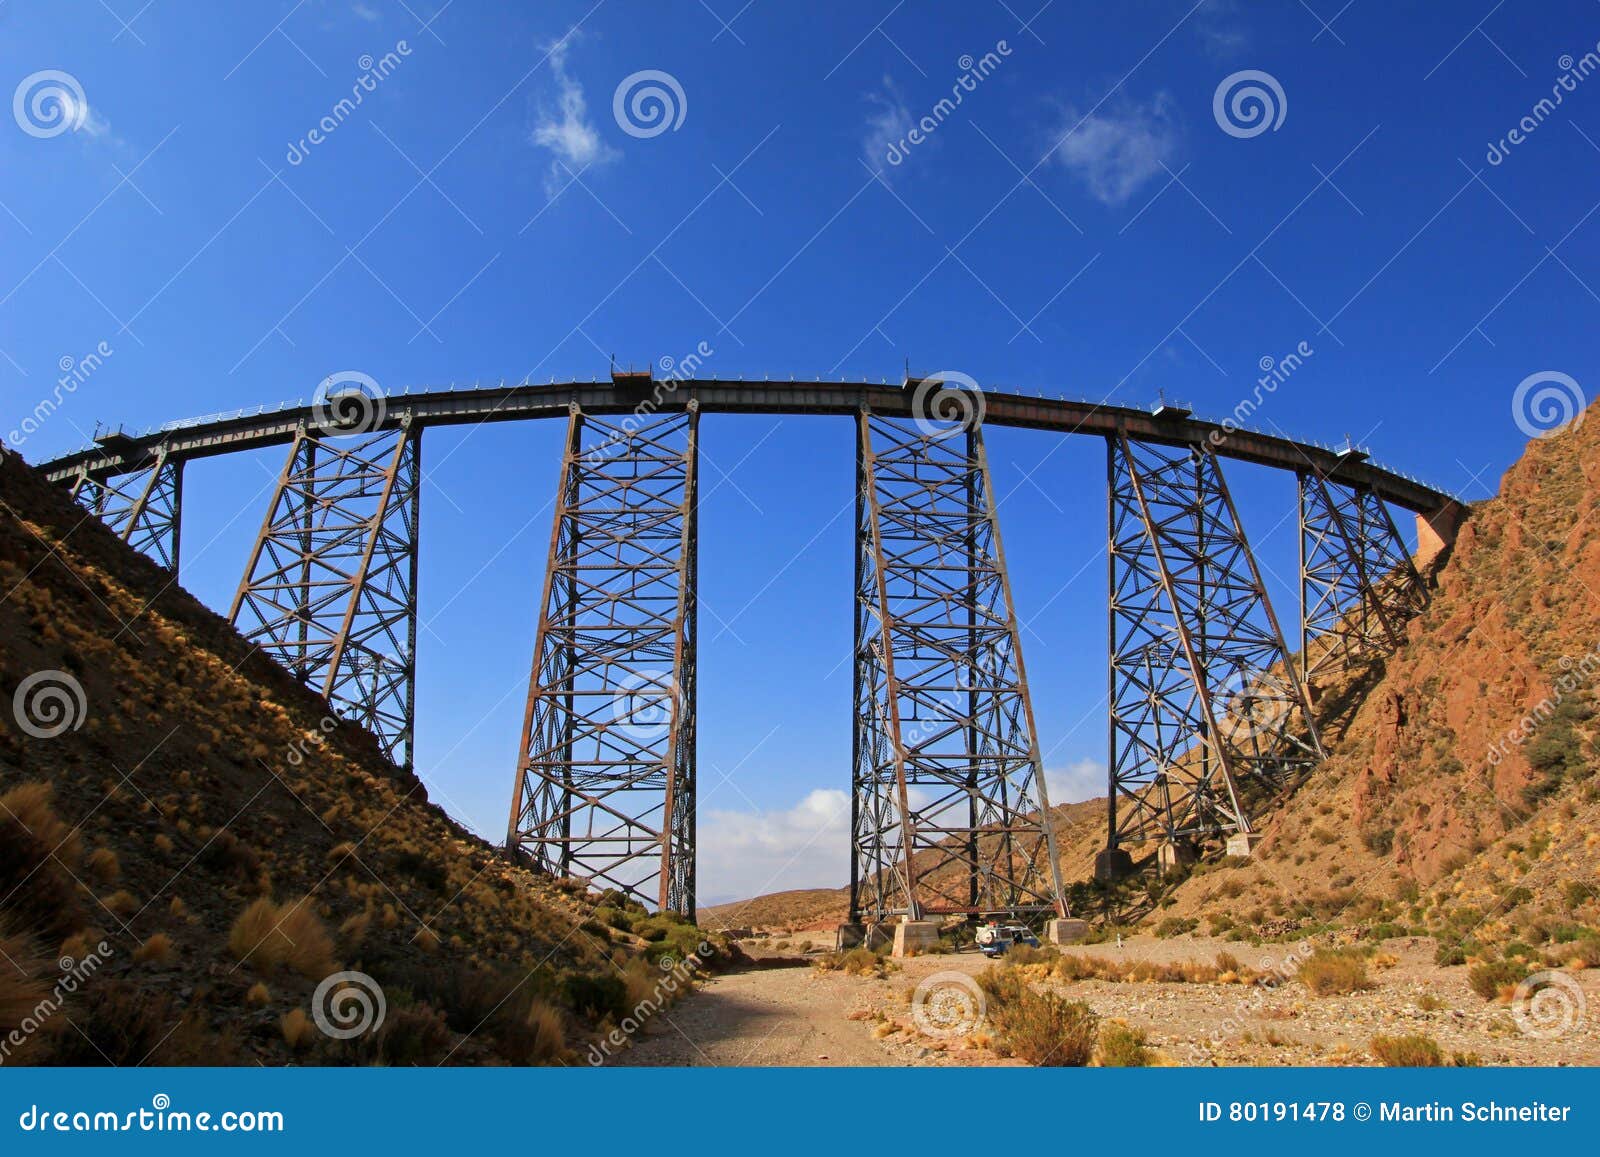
x=605 y=778
x=330 y=590
x=1358 y=584
x=950 y=812
x=144 y=507
x=1207 y=708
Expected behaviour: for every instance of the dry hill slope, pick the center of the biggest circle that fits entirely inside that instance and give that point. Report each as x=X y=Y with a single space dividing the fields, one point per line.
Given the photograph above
x=231 y=846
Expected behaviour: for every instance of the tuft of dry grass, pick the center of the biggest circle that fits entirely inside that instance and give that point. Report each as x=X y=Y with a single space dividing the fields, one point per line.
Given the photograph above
x=258 y=995
x=1333 y=972
x=103 y=866
x=1042 y=1028
x=297 y=1029
x=159 y=949
x=121 y=903
x=1121 y=1046
x=268 y=935
x=1412 y=1051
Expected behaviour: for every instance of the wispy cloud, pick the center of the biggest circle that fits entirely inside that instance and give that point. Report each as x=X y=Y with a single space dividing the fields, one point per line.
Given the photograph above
x=1219 y=28
x=1077 y=781
x=564 y=127
x=887 y=124
x=744 y=853
x=1114 y=151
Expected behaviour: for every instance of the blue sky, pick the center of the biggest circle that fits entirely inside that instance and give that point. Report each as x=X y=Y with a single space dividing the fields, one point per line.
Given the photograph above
x=1084 y=222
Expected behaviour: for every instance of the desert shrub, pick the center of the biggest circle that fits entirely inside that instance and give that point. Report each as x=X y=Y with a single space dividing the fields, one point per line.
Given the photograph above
x=1574 y=893
x=1489 y=978
x=268 y=936
x=854 y=962
x=410 y=1036
x=1379 y=841
x=1027 y=954
x=1122 y=1046
x=37 y=851
x=1453 y=952
x=297 y=1029
x=595 y=995
x=1042 y=1028
x=258 y=995
x=1412 y=1051
x=1333 y=972
x=116 y=1022
x=1176 y=926
x=21 y=986
x=1228 y=962
x=228 y=855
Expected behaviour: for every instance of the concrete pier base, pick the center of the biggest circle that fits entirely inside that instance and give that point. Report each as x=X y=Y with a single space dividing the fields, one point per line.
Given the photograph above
x=912 y=936
x=851 y=935
x=1172 y=858
x=1111 y=865
x=1243 y=844
x=1066 y=931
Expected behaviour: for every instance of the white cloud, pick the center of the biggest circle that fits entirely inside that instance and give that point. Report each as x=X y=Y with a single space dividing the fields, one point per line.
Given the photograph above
x=887 y=125
x=750 y=853
x=1077 y=781
x=1115 y=151
x=1218 y=32
x=566 y=129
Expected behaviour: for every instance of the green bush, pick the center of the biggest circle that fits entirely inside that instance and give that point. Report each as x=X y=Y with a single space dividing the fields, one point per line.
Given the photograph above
x=1176 y=926
x=1042 y=1028
x=596 y=995
x=1122 y=1047
x=1412 y=1051
x=1488 y=979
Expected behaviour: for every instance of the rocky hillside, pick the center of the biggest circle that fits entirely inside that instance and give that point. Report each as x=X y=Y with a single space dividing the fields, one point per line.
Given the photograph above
x=1460 y=796
x=189 y=847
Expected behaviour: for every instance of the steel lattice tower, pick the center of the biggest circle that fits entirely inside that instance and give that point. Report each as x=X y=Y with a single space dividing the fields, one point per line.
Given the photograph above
x=1207 y=707
x=1358 y=584
x=605 y=770
x=950 y=811
x=143 y=508
x=330 y=589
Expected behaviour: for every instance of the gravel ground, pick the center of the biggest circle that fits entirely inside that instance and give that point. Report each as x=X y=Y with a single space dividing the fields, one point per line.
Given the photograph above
x=798 y=1016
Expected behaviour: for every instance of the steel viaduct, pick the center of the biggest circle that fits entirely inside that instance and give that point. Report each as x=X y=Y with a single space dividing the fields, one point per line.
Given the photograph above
x=1211 y=709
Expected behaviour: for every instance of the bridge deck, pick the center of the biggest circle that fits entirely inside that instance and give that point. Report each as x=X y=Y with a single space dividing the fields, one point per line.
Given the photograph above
x=209 y=437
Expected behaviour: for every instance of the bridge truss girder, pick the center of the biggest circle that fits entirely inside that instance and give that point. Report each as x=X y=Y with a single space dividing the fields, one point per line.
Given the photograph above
x=143 y=508
x=605 y=779
x=1208 y=712
x=330 y=590
x=950 y=812
x=1358 y=584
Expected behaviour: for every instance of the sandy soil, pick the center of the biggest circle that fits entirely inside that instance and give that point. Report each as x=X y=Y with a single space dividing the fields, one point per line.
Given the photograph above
x=798 y=1016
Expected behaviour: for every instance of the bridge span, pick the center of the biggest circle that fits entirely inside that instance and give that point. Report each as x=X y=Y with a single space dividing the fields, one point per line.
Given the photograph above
x=1211 y=709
